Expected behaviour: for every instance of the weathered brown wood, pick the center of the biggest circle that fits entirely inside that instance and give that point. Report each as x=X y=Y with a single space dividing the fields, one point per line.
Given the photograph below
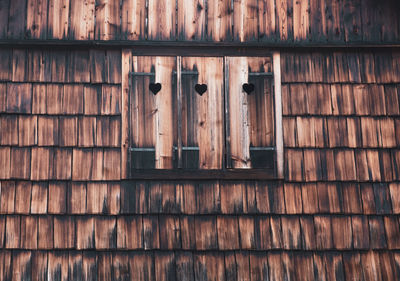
x=85 y=233
x=72 y=102
x=147 y=129
x=107 y=14
x=13 y=228
x=170 y=232
x=47 y=131
x=20 y=101
x=54 y=93
x=89 y=261
x=75 y=198
x=20 y=163
x=40 y=165
x=22 y=266
x=82 y=20
x=36 y=19
x=39 y=198
x=245 y=20
x=57 y=198
x=38 y=66
x=142 y=266
x=64 y=232
x=266 y=20
x=27 y=130
x=29 y=230
x=87 y=131
x=58 y=19
x=4 y=9
x=130 y=232
x=161 y=20
x=45 y=232
x=323 y=232
x=301 y=19
x=58 y=265
x=219 y=20
x=110 y=100
x=133 y=20
x=191 y=20
x=202 y=124
x=105 y=233
x=92 y=99
x=22 y=193
x=228 y=233
x=39 y=265
x=213 y=262
x=247 y=233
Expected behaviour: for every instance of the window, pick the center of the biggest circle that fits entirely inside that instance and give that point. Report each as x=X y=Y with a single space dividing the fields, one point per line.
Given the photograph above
x=202 y=116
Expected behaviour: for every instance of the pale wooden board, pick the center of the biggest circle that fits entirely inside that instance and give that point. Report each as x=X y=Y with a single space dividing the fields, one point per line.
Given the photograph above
x=58 y=19
x=301 y=19
x=107 y=20
x=191 y=20
x=251 y=117
x=219 y=20
x=133 y=19
x=245 y=20
x=161 y=20
x=152 y=123
x=82 y=20
x=202 y=116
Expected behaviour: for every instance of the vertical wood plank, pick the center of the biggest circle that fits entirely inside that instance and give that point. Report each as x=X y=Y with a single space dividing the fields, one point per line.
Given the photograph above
x=107 y=14
x=58 y=19
x=45 y=232
x=278 y=113
x=20 y=163
x=202 y=115
x=267 y=20
x=82 y=20
x=245 y=20
x=161 y=20
x=301 y=20
x=133 y=19
x=191 y=20
x=125 y=94
x=334 y=25
x=36 y=21
x=22 y=197
x=219 y=20
x=351 y=13
x=318 y=23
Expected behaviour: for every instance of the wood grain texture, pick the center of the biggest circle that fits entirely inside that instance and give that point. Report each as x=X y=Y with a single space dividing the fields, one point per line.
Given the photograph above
x=161 y=20
x=152 y=124
x=107 y=14
x=36 y=19
x=245 y=20
x=82 y=20
x=192 y=20
x=219 y=20
x=58 y=19
x=202 y=116
x=133 y=20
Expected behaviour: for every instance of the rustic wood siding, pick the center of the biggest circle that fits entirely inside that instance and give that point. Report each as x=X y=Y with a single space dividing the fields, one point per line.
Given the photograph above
x=66 y=213
x=289 y=21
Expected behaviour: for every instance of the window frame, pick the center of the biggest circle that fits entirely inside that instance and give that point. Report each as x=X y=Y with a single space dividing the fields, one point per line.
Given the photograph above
x=181 y=173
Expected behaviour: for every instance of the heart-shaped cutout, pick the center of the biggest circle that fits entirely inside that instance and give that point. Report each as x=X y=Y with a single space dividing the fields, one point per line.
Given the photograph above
x=248 y=88
x=200 y=88
x=155 y=87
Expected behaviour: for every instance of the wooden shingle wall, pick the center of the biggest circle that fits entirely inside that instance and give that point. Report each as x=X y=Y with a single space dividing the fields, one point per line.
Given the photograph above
x=317 y=21
x=65 y=213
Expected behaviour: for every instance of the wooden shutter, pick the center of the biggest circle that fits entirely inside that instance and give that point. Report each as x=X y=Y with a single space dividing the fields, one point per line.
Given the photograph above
x=250 y=134
x=153 y=127
x=202 y=115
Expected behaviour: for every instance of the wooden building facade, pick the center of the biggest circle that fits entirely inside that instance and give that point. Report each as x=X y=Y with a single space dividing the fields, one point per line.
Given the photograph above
x=199 y=140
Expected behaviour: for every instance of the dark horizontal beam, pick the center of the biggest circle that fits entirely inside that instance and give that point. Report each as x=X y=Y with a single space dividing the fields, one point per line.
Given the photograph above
x=199 y=47
x=228 y=174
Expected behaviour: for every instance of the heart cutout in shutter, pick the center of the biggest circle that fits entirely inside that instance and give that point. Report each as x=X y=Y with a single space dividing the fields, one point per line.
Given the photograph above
x=200 y=88
x=155 y=88
x=248 y=88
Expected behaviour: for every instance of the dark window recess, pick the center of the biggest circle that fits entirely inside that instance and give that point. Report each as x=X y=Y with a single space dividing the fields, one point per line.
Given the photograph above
x=143 y=158
x=262 y=157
